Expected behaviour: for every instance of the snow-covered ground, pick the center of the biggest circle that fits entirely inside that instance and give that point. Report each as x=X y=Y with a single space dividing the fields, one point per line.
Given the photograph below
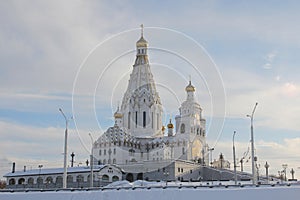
x=175 y=190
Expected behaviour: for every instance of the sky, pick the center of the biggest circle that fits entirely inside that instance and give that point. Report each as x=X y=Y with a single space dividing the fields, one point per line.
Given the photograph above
x=77 y=55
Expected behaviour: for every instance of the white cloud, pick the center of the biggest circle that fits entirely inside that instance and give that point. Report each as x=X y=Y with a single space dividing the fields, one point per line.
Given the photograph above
x=278 y=106
x=269 y=59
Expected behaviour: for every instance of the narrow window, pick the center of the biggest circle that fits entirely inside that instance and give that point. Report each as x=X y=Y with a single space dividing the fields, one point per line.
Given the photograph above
x=152 y=120
x=129 y=115
x=104 y=152
x=144 y=119
x=100 y=152
x=114 y=151
x=136 y=119
x=157 y=121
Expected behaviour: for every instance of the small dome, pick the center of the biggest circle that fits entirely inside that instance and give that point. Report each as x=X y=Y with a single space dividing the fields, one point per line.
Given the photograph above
x=142 y=42
x=163 y=128
x=190 y=88
x=118 y=114
x=170 y=125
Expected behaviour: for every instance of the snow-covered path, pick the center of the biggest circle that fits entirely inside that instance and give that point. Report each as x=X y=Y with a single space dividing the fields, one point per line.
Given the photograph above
x=216 y=193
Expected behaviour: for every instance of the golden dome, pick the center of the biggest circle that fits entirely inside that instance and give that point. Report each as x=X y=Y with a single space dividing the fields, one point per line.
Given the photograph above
x=118 y=114
x=190 y=88
x=142 y=42
x=170 y=125
x=163 y=128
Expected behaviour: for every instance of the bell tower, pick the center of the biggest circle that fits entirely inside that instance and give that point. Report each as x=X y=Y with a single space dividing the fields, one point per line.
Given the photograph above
x=141 y=105
x=191 y=125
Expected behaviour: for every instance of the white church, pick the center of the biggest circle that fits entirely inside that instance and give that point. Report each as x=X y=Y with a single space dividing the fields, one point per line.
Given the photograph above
x=138 y=140
x=138 y=146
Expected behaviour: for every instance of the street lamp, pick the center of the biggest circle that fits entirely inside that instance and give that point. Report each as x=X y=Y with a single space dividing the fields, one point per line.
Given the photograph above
x=292 y=172
x=252 y=145
x=284 y=166
x=210 y=151
x=65 y=151
x=92 y=162
x=267 y=171
x=166 y=174
x=234 y=159
x=39 y=179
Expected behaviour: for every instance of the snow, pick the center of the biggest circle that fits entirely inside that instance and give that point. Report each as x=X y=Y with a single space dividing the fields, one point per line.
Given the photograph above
x=158 y=190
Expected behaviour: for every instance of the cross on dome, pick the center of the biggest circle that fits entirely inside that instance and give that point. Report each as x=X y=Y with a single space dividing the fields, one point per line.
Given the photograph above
x=190 y=87
x=142 y=30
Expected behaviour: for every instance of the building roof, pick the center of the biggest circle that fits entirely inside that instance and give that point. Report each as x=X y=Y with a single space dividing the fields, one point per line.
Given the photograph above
x=50 y=171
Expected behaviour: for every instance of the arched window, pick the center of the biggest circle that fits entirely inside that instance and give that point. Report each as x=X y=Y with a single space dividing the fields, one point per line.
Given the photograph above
x=70 y=179
x=21 y=181
x=114 y=161
x=49 y=179
x=100 y=152
x=59 y=180
x=12 y=181
x=39 y=180
x=183 y=151
x=79 y=179
x=30 y=181
x=105 y=177
x=115 y=178
x=182 y=128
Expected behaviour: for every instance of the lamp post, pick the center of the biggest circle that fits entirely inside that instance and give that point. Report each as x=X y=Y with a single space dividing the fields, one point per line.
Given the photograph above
x=65 y=151
x=252 y=145
x=166 y=174
x=92 y=162
x=234 y=159
x=267 y=171
x=39 y=179
x=292 y=172
x=284 y=166
x=210 y=152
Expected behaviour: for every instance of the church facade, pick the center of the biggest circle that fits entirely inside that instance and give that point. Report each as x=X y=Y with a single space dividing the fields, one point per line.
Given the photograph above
x=139 y=137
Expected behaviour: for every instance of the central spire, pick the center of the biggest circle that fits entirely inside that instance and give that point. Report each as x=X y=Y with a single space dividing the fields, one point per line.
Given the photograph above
x=141 y=105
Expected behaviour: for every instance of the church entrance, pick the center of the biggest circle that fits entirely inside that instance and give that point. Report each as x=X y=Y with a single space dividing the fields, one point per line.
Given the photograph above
x=140 y=176
x=129 y=177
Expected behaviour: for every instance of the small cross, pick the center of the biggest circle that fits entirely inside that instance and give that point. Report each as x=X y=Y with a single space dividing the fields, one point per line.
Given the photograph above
x=142 y=30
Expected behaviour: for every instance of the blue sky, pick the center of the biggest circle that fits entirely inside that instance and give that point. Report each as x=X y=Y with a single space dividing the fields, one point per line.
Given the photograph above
x=253 y=44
